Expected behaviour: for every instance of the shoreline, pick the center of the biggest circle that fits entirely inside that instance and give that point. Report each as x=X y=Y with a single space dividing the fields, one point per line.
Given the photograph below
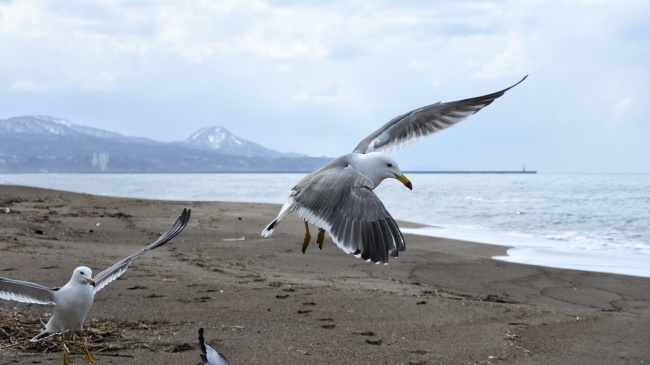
x=442 y=301
x=546 y=253
x=523 y=249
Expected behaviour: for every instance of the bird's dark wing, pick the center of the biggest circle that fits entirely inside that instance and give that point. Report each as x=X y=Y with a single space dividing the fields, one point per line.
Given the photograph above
x=103 y=278
x=424 y=121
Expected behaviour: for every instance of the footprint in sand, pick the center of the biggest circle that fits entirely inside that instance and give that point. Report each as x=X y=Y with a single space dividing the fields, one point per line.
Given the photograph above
x=327 y=325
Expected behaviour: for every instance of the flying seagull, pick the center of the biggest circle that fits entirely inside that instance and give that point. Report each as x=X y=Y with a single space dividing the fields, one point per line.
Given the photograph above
x=210 y=356
x=73 y=300
x=338 y=197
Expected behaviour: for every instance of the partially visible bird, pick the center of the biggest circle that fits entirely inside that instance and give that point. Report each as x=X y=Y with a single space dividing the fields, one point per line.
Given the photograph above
x=208 y=355
x=338 y=197
x=73 y=300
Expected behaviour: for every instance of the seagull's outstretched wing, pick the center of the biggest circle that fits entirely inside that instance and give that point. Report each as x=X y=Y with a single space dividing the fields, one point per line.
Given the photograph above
x=26 y=292
x=421 y=122
x=208 y=355
x=103 y=278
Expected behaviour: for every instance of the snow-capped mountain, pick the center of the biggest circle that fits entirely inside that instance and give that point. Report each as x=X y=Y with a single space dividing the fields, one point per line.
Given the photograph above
x=219 y=139
x=42 y=143
x=50 y=126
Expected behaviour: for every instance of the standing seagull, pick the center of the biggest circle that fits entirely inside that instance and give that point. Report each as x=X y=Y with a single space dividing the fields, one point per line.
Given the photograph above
x=73 y=300
x=210 y=356
x=339 y=198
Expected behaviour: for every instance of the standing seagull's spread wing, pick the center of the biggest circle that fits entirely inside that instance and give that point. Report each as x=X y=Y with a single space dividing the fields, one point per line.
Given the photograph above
x=421 y=122
x=26 y=292
x=113 y=272
x=342 y=202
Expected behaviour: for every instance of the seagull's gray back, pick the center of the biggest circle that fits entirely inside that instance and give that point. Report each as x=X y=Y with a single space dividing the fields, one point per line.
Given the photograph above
x=338 y=163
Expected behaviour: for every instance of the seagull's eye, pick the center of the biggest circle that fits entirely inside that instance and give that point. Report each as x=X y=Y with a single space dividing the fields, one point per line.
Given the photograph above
x=389 y=165
x=82 y=273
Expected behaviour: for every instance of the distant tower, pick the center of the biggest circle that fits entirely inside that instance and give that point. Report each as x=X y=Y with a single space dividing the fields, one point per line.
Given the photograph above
x=100 y=160
x=524 y=169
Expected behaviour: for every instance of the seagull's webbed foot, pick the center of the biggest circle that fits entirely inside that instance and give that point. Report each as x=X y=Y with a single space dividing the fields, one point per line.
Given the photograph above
x=305 y=243
x=64 y=349
x=320 y=238
x=88 y=356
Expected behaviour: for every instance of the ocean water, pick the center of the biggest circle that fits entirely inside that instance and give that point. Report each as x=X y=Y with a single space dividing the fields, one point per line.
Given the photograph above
x=593 y=222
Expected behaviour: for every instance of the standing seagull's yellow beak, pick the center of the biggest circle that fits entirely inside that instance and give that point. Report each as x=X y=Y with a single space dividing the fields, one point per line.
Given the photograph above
x=91 y=282
x=404 y=180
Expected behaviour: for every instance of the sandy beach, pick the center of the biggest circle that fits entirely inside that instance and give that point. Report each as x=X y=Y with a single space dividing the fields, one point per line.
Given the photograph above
x=261 y=301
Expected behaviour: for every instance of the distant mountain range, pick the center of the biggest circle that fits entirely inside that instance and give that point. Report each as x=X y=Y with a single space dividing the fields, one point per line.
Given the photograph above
x=47 y=144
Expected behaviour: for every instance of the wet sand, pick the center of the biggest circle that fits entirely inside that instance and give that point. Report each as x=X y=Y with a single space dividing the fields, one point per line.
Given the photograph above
x=261 y=301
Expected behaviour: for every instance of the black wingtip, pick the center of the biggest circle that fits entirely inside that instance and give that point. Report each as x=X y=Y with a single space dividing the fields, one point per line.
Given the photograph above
x=186 y=216
x=499 y=93
x=182 y=221
x=202 y=340
x=489 y=98
x=520 y=81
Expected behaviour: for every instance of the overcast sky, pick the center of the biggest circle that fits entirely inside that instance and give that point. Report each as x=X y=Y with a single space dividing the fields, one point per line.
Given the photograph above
x=316 y=77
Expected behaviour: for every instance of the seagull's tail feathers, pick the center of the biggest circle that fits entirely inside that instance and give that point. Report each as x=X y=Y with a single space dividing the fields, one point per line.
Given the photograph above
x=42 y=335
x=270 y=228
x=286 y=209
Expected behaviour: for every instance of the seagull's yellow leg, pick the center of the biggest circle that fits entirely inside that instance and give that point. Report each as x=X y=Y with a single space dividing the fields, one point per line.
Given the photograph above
x=88 y=356
x=305 y=243
x=320 y=238
x=64 y=348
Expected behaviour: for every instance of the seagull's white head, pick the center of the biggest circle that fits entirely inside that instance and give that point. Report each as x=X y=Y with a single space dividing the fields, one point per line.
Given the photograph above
x=83 y=275
x=378 y=166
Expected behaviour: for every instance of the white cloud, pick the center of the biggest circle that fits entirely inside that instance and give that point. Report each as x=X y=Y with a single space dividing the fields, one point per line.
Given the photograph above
x=621 y=108
x=26 y=85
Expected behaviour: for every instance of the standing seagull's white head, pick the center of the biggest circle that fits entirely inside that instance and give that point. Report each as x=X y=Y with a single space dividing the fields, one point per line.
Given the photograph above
x=82 y=275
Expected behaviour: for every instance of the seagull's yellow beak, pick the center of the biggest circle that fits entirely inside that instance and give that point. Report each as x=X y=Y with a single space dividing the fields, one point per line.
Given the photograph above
x=91 y=282
x=404 y=180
